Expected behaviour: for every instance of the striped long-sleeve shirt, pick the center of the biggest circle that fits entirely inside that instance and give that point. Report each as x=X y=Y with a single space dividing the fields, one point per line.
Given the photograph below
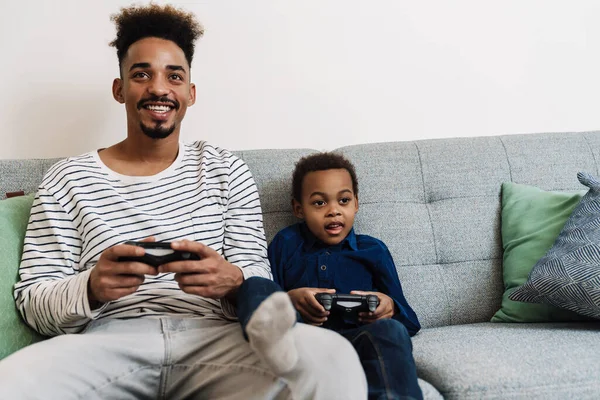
x=82 y=208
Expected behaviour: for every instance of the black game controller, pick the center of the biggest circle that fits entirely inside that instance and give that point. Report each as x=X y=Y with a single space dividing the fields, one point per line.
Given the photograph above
x=349 y=305
x=159 y=253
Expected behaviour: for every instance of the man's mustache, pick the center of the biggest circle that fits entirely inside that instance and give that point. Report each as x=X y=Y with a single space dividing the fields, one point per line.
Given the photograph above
x=156 y=99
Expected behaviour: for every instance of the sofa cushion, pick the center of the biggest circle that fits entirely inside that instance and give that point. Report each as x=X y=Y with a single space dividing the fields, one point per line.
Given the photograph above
x=531 y=221
x=14 y=214
x=568 y=276
x=494 y=360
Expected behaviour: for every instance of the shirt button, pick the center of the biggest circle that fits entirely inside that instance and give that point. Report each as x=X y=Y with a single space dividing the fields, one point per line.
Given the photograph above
x=323 y=267
x=327 y=253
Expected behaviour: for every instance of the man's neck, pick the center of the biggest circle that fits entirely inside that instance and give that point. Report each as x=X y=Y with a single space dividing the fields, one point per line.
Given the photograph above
x=141 y=156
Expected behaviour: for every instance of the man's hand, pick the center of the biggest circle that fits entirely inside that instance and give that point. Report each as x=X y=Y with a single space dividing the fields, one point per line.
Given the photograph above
x=305 y=302
x=385 y=309
x=212 y=276
x=111 y=279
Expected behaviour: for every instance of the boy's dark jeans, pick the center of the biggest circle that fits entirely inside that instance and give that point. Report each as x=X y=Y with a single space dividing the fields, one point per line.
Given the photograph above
x=250 y=294
x=385 y=351
x=384 y=347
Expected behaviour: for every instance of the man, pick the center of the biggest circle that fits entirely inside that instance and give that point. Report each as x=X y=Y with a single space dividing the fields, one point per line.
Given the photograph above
x=129 y=330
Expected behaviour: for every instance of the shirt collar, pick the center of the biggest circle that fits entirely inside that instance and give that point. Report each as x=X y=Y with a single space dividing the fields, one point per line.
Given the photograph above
x=311 y=241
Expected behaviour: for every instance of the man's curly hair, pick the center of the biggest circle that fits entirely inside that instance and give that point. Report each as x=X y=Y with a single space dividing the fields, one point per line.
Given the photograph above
x=164 y=22
x=320 y=162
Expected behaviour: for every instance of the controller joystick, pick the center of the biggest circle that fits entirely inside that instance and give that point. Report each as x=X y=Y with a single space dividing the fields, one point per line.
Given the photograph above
x=325 y=299
x=158 y=253
x=348 y=305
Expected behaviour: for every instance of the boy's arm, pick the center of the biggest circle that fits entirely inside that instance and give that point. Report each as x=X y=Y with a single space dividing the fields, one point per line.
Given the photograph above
x=386 y=281
x=275 y=256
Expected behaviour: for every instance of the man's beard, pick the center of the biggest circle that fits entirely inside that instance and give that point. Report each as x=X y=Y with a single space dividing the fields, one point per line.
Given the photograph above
x=158 y=131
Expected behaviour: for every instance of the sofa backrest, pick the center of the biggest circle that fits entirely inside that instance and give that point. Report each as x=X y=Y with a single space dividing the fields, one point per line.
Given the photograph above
x=435 y=203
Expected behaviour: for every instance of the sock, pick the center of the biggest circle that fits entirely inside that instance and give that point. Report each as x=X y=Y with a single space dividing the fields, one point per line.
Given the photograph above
x=269 y=332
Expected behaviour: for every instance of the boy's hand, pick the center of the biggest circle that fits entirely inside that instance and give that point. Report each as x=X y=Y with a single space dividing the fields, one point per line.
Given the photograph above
x=385 y=309
x=307 y=305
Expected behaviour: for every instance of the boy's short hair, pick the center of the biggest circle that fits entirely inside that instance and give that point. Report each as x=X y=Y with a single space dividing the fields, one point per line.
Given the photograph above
x=320 y=162
x=164 y=22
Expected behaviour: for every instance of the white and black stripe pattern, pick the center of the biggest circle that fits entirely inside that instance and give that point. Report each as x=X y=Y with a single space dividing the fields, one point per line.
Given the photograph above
x=82 y=208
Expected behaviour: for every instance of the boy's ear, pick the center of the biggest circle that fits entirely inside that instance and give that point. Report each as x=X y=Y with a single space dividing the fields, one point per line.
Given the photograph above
x=297 y=208
x=356 y=210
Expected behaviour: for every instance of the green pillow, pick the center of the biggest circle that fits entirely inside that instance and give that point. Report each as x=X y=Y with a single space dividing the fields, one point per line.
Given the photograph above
x=568 y=276
x=14 y=215
x=531 y=221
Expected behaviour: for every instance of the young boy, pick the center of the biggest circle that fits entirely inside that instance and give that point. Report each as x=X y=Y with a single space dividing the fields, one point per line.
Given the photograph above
x=323 y=254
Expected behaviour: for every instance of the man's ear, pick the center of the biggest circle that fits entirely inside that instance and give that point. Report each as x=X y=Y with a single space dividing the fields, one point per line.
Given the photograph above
x=117 y=90
x=192 y=98
x=297 y=208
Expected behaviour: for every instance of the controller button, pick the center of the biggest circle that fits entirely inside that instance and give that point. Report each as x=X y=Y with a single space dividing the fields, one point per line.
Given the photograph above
x=323 y=267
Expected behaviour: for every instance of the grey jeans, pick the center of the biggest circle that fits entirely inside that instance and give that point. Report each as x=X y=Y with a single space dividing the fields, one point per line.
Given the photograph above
x=168 y=358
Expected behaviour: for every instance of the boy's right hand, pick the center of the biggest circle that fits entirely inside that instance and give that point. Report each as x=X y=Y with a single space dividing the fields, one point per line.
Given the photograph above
x=307 y=305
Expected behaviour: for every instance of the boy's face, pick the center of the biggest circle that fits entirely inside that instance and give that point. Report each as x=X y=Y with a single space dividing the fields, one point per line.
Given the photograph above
x=328 y=204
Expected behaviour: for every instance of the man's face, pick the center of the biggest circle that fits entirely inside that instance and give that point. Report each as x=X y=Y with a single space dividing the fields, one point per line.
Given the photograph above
x=328 y=204
x=155 y=87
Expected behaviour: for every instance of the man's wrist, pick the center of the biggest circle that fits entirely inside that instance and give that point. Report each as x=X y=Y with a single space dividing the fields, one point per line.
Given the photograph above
x=93 y=302
x=239 y=279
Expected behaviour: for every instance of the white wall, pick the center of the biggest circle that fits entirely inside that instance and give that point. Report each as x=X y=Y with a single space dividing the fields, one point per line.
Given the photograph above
x=311 y=73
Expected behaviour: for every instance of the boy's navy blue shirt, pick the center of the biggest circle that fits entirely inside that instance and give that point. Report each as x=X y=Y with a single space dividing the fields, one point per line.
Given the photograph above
x=360 y=262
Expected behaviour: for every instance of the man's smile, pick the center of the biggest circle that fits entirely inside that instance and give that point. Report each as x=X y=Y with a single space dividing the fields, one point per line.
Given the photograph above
x=159 y=109
x=158 y=112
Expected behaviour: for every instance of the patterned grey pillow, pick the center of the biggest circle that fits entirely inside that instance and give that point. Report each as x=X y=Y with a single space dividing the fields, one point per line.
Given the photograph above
x=568 y=276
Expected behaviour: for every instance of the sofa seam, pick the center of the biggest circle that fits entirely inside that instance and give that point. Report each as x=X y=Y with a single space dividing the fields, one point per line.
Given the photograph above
x=416 y=202
x=435 y=249
x=427 y=203
x=507 y=159
x=450 y=262
x=513 y=390
x=492 y=196
x=587 y=142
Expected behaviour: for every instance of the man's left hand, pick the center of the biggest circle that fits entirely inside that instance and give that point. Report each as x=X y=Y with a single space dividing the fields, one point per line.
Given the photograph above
x=212 y=276
x=385 y=309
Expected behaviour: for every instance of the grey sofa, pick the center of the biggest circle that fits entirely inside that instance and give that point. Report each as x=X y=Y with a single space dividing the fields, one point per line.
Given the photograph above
x=436 y=203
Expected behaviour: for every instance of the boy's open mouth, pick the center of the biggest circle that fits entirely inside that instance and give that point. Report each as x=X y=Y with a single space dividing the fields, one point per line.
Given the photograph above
x=334 y=228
